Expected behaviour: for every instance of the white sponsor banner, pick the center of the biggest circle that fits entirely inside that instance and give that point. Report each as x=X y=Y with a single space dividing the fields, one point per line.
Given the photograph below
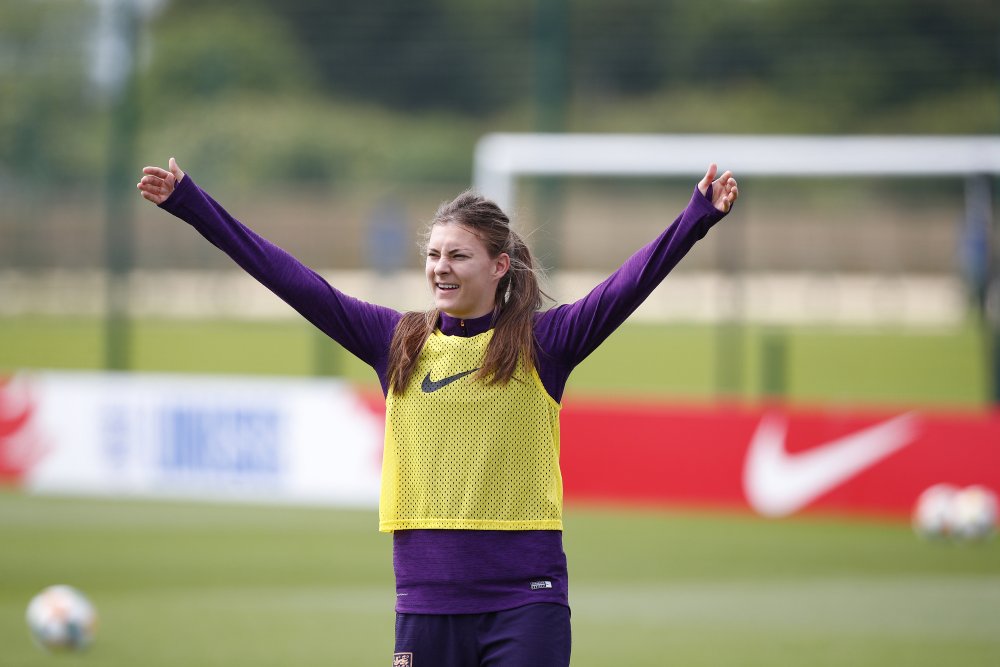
x=256 y=439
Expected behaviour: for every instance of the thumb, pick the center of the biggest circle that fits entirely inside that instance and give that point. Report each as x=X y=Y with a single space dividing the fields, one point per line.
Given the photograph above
x=709 y=177
x=175 y=170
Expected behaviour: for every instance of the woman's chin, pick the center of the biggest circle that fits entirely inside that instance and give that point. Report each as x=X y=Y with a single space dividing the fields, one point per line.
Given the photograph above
x=449 y=308
x=446 y=301
x=452 y=309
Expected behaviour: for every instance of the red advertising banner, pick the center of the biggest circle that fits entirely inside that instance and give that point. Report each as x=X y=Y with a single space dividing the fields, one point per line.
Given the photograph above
x=775 y=461
x=771 y=460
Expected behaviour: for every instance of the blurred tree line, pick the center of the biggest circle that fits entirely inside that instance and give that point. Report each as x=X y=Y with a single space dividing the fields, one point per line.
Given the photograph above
x=317 y=92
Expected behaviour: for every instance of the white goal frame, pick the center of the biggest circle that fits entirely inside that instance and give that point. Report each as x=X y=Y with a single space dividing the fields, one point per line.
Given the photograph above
x=503 y=157
x=500 y=159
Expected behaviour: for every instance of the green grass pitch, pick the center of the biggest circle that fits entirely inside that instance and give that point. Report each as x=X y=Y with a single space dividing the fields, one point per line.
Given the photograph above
x=204 y=585
x=691 y=362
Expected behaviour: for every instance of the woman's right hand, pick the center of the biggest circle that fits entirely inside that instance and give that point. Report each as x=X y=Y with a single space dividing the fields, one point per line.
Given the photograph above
x=157 y=184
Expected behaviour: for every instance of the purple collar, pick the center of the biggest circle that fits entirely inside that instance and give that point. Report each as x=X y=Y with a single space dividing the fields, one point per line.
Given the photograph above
x=454 y=326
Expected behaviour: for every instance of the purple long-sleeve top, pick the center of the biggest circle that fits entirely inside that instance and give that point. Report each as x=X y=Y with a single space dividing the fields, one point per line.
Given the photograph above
x=459 y=571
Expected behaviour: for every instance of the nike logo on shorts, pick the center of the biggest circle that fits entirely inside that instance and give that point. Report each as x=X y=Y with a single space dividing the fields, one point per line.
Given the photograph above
x=429 y=385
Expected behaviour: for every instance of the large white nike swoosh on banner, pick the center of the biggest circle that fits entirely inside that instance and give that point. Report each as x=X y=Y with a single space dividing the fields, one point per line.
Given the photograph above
x=777 y=483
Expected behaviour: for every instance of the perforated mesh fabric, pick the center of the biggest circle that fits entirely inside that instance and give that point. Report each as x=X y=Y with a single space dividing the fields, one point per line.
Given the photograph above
x=463 y=454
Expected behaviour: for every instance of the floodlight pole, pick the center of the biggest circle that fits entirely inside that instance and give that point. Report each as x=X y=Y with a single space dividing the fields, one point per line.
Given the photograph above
x=119 y=195
x=114 y=73
x=551 y=84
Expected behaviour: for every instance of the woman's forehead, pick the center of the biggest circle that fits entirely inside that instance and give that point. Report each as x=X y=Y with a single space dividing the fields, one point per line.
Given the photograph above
x=453 y=235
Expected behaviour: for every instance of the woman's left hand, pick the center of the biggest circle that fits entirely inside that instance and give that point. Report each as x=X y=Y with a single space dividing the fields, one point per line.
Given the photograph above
x=158 y=184
x=724 y=189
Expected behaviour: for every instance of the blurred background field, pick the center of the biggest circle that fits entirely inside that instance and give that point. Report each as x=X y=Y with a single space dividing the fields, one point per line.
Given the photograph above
x=886 y=367
x=335 y=128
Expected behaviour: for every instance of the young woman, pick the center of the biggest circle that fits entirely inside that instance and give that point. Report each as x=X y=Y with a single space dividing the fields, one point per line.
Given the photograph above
x=471 y=488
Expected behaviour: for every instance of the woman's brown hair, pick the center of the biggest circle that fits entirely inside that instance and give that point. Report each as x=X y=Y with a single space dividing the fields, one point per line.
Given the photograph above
x=518 y=297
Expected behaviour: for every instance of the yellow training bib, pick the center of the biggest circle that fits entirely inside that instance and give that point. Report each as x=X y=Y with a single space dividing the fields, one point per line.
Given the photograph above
x=462 y=454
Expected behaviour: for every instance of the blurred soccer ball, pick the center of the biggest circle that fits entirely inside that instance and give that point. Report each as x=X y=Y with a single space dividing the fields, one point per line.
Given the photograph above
x=932 y=516
x=945 y=511
x=974 y=513
x=62 y=618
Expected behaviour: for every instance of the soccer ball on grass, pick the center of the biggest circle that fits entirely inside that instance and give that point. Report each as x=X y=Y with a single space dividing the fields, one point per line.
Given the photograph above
x=974 y=513
x=932 y=515
x=62 y=618
x=965 y=514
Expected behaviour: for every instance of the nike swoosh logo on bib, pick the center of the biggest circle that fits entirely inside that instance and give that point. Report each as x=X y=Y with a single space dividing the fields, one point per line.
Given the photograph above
x=429 y=385
x=777 y=483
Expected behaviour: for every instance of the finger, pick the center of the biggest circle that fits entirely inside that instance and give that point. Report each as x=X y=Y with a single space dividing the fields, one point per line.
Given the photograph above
x=156 y=171
x=155 y=183
x=154 y=179
x=726 y=177
x=709 y=177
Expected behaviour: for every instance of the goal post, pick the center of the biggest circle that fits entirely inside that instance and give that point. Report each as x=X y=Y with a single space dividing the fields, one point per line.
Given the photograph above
x=503 y=158
x=500 y=159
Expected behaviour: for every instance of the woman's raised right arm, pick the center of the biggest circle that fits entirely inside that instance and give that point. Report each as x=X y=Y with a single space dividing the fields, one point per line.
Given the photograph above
x=364 y=329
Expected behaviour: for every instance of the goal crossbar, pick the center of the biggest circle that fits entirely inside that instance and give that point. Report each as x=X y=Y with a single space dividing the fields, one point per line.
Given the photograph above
x=503 y=157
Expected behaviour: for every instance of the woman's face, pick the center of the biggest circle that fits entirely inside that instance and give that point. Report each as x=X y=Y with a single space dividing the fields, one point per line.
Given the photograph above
x=462 y=276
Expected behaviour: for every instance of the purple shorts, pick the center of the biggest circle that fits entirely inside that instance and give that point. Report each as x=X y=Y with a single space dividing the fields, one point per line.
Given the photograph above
x=535 y=635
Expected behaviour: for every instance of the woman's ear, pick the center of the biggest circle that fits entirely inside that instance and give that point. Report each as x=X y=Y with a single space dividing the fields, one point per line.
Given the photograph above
x=501 y=266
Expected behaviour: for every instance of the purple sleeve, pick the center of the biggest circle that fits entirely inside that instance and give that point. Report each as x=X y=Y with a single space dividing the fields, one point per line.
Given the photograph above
x=364 y=329
x=567 y=334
